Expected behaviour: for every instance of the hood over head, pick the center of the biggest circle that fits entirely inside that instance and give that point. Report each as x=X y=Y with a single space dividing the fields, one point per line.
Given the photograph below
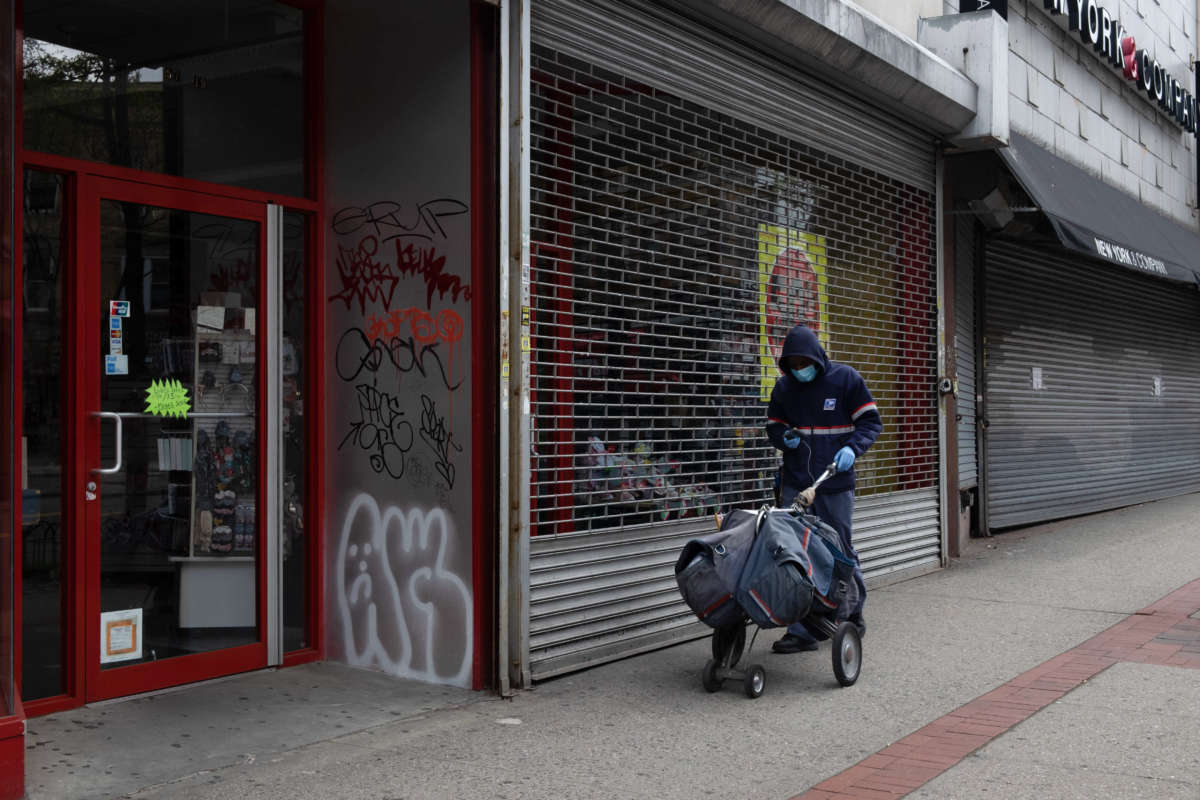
x=801 y=341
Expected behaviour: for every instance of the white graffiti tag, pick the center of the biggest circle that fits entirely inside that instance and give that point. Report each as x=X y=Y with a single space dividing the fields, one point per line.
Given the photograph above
x=379 y=551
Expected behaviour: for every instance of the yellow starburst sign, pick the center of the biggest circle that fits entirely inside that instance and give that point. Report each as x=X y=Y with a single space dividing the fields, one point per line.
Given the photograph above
x=167 y=399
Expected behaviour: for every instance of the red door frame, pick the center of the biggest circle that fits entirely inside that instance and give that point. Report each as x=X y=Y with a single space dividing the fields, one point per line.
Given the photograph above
x=78 y=174
x=313 y=207
x=102 y=684
x=314 y=290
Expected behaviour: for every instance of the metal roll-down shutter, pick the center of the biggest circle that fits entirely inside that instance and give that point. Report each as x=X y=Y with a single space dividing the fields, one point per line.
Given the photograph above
x=688 y=198
x=964 y=350
x=1093 y=386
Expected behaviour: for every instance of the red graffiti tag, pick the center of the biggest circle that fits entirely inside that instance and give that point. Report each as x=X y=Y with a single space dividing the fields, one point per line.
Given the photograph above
x=419 y=333
x=363 y=277
x=412 y=259
x=422 y=326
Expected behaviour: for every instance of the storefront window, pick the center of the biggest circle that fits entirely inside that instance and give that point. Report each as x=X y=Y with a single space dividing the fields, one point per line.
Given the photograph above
x=295 y=460
x=43 y=275
x=672 y=247
x=212 y=91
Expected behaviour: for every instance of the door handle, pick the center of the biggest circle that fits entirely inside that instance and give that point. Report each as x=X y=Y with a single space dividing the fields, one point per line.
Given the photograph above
x=115 y=417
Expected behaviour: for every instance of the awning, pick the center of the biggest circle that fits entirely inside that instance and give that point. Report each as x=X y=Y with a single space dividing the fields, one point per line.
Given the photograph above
x=1094 y=218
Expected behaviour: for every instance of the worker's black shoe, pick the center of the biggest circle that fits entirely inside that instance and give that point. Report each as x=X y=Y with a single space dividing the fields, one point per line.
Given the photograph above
x=792 y=643
x=857 y=621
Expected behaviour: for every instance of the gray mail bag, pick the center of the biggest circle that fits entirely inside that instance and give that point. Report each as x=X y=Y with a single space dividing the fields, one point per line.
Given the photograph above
x=776 y=566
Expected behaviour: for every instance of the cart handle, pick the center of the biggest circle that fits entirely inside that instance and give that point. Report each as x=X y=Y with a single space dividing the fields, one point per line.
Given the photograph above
x=806 y=497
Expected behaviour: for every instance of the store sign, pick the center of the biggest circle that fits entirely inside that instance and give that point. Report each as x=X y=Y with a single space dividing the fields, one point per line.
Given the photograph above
x=1098 y=28
x=999 y=6
x=1130 y=258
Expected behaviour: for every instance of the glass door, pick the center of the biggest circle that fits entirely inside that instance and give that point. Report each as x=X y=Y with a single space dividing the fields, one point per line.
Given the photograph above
x=170 y=291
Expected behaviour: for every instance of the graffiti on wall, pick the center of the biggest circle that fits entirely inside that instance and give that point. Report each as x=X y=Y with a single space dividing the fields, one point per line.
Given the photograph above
x=357 y=353
x=411 y=236
x=380 y=430
x=397 y=598
x=438 y=437
x=397 y=331
x=381 y=248
x=365 y=278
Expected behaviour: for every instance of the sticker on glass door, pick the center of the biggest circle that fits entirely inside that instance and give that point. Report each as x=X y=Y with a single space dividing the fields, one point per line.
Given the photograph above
x=121 y=636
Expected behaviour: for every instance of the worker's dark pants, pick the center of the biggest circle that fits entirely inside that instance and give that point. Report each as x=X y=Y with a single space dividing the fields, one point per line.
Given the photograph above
x=835 y=510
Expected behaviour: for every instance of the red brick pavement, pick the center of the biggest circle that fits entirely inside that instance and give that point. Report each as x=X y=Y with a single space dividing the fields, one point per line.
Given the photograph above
x=1162 y=633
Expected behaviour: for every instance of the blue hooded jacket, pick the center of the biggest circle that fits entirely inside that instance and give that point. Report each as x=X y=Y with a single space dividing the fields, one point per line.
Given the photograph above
x=832 y=411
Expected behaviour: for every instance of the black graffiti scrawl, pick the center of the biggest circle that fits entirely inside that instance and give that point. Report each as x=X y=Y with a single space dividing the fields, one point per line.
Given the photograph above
x=380 y=430
x=409 y=237
x=388 y=255
x=439 y=439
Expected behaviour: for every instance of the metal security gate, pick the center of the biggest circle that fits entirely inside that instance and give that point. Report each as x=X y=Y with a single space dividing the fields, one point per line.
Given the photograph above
x=689 y=203
x=964 y=350
x=1093 y=386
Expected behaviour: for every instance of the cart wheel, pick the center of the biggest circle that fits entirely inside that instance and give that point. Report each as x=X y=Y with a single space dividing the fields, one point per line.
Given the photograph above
x=847 y=654
x=755 y=681
x=709 y=676
x=729 y=643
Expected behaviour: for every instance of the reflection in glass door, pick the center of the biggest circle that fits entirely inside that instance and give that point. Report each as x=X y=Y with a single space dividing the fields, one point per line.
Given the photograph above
x=176 y=500
x=44 y=526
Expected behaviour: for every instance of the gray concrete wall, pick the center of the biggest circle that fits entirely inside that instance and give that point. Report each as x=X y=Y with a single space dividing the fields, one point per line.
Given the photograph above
x=1068 y=99
x=398 y=495
x=903 y=14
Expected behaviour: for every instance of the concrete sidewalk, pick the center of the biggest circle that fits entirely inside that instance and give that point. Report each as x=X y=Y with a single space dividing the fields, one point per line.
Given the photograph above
x=1023 y=670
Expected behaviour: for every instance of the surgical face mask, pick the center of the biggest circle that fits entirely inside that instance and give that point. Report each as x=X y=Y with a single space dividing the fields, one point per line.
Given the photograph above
x=805 y=375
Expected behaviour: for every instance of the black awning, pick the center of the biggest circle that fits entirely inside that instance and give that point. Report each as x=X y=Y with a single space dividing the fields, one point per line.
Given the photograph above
x=1092 y=217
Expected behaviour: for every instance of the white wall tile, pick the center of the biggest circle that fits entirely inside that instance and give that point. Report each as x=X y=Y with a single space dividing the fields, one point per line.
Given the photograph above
x=1043 y=130
x=1042 y=54
x=1017 y=71
x=1020 y=115
x=1067 y=108
x=1109 y=139
x=1088 y=83
x=1149 y=167
x=1048 y=94
x=1018 y=36
x=1093 y=160
x=1066 y=145
x=1110 y=172
x=1111 y=104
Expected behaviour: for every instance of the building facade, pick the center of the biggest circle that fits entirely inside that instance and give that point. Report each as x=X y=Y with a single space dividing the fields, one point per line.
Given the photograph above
x=420 y=337
x=249 y=249
x=1076 y=267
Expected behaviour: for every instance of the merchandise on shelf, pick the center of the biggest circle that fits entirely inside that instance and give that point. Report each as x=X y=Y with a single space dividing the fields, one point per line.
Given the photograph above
x=638 y=482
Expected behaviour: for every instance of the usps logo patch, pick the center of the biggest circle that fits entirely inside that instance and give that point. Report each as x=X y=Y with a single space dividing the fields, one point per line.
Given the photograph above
x=830 y=403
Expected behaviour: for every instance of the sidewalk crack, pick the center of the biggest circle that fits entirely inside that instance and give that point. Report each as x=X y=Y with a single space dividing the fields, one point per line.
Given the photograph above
x=996 y=601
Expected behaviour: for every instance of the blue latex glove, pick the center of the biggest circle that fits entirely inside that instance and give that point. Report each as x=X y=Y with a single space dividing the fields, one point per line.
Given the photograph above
x=791 y=439
x=844 y=459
